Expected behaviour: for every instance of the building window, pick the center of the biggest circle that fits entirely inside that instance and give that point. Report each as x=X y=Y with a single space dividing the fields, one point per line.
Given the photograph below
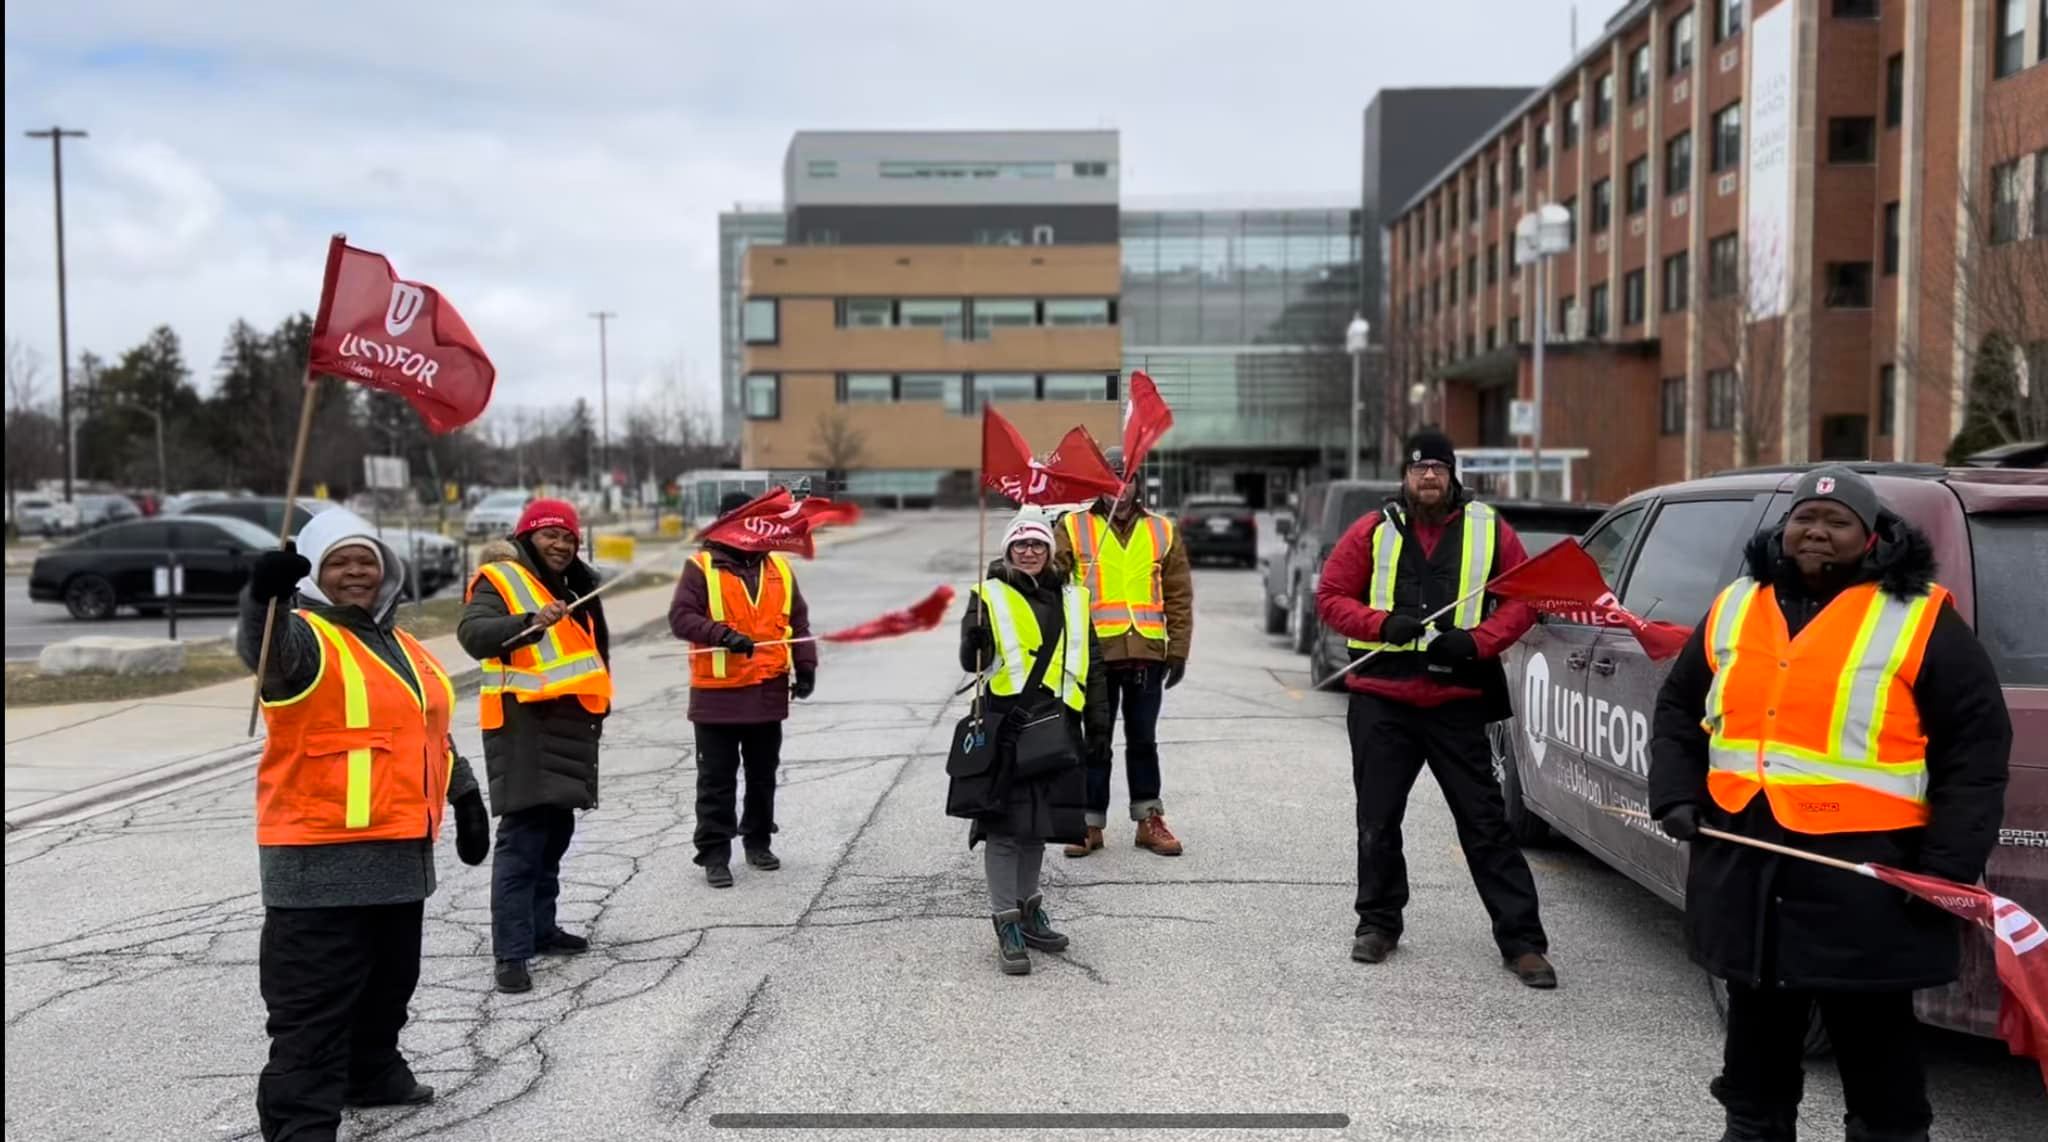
x=1515 y=171
x=1894 y=89
x=1436 y=220
x=1080 y=386
x=1472 y=200
x=2041 y=169
x=921 y=388
x=1678 y=60
x=989 y=313
x=2009 y=42
x=1728 y=138
x=1856 y=9
x=1852 y=139
x=1844 y=437
x=822 y=168
x=1887 y=399
x=1454 y=204
x=1004 y=388
x=1671 y=407
x=1514 y=331
x=1567 y=317
x=1080 y=311
x=1891 y=238
x=1492 y=183
x=1452 y=278
x=1677 y=281
x=1543 y=144
x=1436 y=296
x=1091 y=170
x=1639 y=185
x=1596 y=312
x=1603 y=205
x=1632 y=294
x=757 y=321
x=1490 y=333
x=866 y=388
x=1571 y=124
x=1723 y=267
x=1603 y=100
x=1639 y=74
x=1493 y=263
x=1727 y=20
x=1721 y=400
x=1571 y=220
x=1472 y=274
x=867 y=312
x=944 y=314
x=1678 y=164
x=2005 y=203
x=1848 y=285
x=761 y=394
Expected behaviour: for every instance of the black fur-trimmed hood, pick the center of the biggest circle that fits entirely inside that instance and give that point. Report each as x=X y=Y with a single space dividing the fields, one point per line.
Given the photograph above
x=1902 y=563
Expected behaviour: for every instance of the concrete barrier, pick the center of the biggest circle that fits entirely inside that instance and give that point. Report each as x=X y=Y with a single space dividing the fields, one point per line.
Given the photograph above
x=105 y=654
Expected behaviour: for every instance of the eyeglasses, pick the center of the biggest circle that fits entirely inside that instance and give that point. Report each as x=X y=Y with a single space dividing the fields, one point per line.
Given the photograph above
x=1432 y=466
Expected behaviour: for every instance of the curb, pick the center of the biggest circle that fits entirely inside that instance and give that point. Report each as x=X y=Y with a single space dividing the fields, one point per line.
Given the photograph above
x=95 y=799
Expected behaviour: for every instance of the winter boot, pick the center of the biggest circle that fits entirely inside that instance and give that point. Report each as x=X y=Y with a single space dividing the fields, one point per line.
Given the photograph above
x=1038 y=926
x=1754 y=1120
x=513 y=977
x=1858 y=1132
x=1010 y=953
x=718 y=875
x=561 y=943
x=1153 y=834
x=764 y=859
x=1093 y=842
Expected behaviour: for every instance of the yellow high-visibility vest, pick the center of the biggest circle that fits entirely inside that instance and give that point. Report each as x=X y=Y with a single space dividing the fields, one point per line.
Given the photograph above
x=1125 y=579
x=1018 y=641
x=1475 y=559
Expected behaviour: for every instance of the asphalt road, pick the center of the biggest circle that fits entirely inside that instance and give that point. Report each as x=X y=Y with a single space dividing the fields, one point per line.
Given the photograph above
x=860 y=978
x=32 y=626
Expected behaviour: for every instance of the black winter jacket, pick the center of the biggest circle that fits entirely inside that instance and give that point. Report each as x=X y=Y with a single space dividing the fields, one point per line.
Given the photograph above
x=1756 y=918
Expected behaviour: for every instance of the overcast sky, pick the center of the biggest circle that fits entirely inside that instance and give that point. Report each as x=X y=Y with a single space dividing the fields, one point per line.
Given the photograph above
x=538 y=161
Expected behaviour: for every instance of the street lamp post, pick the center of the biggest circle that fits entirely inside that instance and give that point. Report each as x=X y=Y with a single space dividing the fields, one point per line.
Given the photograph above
x=604 y=382
x=1541 y=234
x=57 y=135
x=1355 y=336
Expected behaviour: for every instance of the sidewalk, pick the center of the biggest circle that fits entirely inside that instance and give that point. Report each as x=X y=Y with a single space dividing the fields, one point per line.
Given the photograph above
x=61 y=759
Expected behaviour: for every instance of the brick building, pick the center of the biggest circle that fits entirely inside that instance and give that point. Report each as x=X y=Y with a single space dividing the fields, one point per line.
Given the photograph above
x=1795 y=223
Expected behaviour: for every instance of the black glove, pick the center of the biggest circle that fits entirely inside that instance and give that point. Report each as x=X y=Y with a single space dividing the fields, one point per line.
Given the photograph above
x=472 y=828
x=1175 y=671
x=984 y=643
x=1400 y=629
x=1453 y=646
x=734 y=641
x=1681 y=822
x=806 y=681
x=277 y=573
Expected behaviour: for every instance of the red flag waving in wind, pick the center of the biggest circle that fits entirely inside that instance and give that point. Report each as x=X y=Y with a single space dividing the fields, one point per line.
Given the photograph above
x=1146 y=419
x=924 y=614
x=377 y=329
x=2020 y=944
x=1074 y=472
x=775 y=521
x=1565 y=581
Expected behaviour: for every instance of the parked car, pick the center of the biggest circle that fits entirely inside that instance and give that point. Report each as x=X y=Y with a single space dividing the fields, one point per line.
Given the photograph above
x=2028 y=454
x=495 y=514
x=44 y=515
x=1585 y=696
x=96 y=574
x=176 y=504
x=98 y=510
x=439 y=559
x=1326 y=509
x=1219 y=527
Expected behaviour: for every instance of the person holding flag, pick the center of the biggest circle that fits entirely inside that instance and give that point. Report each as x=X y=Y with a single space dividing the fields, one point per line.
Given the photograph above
x=1834 y=702
x=1428 y=692
x=546 y=690
x=728 y=598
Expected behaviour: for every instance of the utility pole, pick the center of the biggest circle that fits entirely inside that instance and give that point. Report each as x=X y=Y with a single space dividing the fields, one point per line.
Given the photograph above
x=57 y=135
x=604 y=436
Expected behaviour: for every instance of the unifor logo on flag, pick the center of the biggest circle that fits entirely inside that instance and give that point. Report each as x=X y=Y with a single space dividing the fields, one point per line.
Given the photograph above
x=403 y=337
x=406 y=302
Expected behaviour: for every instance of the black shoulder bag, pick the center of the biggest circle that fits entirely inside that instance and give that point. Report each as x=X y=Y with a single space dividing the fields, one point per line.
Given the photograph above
x=1043 y=741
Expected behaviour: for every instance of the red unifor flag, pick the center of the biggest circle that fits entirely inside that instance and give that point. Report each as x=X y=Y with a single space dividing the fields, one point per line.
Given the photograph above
x=1074 y=472
x=1565 y=581
x=2021 y=945
x=1146 y=419
x=774 y=521
x=924 y=614
x=377 y=329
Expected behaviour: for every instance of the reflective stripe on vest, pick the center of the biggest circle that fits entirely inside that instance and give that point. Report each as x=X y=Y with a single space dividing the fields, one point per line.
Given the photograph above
x=564 y=661
x=356 y=710
x=714 y=596
x=1827 y=748
x=1476 y=538
x=1125 y=581
x=1018 y=640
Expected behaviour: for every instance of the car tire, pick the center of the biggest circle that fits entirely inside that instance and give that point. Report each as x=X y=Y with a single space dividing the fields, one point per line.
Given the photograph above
x=90 y=598
x=1817 y=1043
x=1301 y=622
x=1526 y=827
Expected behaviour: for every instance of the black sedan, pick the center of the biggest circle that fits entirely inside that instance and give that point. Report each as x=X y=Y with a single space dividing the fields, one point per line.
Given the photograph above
x=126 y=565
x=1219 y=527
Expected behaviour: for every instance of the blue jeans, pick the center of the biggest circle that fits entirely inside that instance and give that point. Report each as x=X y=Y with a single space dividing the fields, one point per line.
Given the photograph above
x=1139 y=689
x=526 y=877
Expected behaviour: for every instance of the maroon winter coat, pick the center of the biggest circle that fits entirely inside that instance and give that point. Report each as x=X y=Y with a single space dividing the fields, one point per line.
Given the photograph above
x=689 y=617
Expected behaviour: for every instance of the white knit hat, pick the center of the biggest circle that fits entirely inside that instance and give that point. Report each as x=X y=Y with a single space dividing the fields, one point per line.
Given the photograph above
x=1027 y=525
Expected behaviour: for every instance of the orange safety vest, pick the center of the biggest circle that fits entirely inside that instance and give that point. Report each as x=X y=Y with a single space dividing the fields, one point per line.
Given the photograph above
x=359 y=755
x=762 y=616
x=565 y=661
x=1824 y=724
x=1124 y=578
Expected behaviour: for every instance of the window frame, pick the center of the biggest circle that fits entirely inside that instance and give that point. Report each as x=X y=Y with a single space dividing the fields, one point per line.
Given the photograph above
x=1635 y=297
x=1681 y=43
x=1834 y=288
x=1603 y=205
x=1724 y=28
x=1572 y=123
x=1636 y=205
x=752 y=305
x=1640 y=71
x=2014 y=38
x=1723 y=403
x=1677 y=282
x=844 y=388
x=1894 y=90
x=1889 y=265
x=1598 y=299
x=1671 y=407
x=1838 y=155
x=1858 y=9
x=1724 y=253
x=1887 y=399
x=2004 y=175
x=774 y=390
x=1678 y=164
x=1727 y=144
x=1603 y=100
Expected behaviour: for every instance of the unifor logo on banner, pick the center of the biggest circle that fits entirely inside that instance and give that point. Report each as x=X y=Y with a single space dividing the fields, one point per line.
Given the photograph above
x=406 y=302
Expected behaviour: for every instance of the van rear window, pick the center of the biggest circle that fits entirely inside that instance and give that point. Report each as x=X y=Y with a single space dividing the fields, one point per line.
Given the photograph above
x=2010 y=550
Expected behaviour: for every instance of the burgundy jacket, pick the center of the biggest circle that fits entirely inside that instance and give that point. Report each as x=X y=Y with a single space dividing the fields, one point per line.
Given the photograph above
x=689 y=617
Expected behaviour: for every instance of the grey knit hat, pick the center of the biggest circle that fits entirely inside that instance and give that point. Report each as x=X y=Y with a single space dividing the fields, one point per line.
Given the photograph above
x=1844 y=486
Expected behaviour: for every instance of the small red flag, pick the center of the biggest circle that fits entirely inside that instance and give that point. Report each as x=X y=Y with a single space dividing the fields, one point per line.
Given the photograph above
x=379 y=330
x=2020 y=944
x=1146 y=419
x=1565 y=581
x=774 y=521
x=1072 y=473
x=924 y=614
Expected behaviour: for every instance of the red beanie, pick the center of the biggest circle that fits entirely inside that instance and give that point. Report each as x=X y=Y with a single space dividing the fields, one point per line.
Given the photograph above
x=548 y=513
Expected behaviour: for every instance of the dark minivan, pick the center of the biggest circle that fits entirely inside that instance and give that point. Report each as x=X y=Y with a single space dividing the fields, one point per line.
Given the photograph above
x=1585 y=695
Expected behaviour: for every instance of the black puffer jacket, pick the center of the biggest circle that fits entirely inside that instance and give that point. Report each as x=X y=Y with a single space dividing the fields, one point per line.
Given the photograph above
x=546 y=752
x=1051 y=808
x=1753 y=917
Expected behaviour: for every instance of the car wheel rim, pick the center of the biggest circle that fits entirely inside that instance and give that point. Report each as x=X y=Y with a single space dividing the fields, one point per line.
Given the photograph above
x=94 y=599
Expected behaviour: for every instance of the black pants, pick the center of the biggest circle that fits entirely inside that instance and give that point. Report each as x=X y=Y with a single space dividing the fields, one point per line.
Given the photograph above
x=722 y=752
x=526 y=877
x=1139 y=690
x=336 y=982
x=1390 y=743
x=1877 y=1046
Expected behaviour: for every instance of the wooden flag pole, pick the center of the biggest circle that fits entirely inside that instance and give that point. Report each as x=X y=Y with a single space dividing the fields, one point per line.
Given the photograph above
x=601 y=588
x=981 y=550
x=307 y=404
x=1752 y=842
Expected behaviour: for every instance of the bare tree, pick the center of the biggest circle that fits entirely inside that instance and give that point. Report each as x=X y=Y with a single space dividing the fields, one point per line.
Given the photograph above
x=32 y=433
x=838 y=444
x=1748 y=361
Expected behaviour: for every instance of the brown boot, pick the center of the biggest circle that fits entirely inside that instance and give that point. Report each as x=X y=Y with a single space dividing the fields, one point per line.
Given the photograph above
x=1093 y=842
x=1153 y=834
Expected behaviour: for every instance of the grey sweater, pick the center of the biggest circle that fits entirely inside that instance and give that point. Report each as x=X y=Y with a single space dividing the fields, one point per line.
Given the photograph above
x=339 y=875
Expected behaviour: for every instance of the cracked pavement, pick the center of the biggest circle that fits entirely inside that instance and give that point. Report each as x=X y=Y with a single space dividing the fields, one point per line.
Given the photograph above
x=860 y=977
